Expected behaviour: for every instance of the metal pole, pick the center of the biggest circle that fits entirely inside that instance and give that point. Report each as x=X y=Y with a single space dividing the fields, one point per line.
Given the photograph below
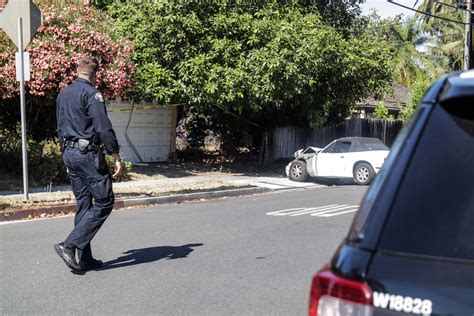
x=468 y=42
x=23 y=114
x=471 y=21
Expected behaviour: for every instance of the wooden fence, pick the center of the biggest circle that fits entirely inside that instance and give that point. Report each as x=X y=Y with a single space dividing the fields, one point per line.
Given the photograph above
x=287 y=140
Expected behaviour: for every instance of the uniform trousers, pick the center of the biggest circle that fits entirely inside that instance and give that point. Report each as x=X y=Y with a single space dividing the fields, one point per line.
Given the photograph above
x=94 y=199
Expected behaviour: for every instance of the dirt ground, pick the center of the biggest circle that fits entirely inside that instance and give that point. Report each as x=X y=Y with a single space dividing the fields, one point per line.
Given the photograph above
x=208 y=166
x=205 y=175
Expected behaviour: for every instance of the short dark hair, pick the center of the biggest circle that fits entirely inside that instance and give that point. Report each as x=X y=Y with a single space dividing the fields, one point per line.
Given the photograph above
x=87 y=65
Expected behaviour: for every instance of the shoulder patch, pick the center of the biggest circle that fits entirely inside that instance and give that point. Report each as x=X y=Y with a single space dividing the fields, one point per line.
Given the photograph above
x=99 y=96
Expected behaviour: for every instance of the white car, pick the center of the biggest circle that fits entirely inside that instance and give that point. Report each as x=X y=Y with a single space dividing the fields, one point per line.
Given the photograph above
x=359 y=158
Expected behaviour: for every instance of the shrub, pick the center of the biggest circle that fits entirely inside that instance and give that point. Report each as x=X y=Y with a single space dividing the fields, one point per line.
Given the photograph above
x=416 y=94
x=45 y=162
x=46 y=166
x=381 y=111
x=69 y=30
x=10 y=149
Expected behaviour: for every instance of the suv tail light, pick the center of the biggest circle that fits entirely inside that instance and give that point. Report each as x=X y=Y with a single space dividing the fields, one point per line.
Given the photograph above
x=332 y=295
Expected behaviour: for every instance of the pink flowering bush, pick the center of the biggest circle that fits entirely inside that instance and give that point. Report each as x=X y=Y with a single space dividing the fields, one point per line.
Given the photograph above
x=68 y=32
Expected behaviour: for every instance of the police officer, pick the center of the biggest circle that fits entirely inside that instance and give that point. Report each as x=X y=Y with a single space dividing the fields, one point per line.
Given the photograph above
x=86 y=135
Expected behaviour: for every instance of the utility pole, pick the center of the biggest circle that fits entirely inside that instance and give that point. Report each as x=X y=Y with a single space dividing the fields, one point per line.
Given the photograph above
x=468 y=58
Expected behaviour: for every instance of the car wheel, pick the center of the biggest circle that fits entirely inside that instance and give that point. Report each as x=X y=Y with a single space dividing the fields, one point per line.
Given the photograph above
x=298 y=171
x=363 y=173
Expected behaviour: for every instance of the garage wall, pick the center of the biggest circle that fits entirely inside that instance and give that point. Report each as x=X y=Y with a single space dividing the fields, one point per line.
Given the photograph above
x=150 y=128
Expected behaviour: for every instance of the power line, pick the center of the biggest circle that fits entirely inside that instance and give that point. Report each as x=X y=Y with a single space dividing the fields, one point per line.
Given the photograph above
x=452 y=6
x=426 y=13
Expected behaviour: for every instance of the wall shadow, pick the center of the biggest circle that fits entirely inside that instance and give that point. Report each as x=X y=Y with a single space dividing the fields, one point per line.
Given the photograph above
x=151 y=254
x=244 y=166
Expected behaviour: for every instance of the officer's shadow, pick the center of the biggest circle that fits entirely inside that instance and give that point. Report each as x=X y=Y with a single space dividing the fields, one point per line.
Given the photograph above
x=146 y=255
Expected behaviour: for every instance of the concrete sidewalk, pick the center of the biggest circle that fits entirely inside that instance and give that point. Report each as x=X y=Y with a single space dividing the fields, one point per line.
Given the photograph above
x=60 y=200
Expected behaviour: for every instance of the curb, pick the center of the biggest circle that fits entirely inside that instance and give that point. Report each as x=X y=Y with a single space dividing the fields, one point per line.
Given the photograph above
x=122 y=203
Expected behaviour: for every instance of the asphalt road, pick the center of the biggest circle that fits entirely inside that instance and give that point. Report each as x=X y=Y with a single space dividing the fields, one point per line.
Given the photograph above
x=239 y=256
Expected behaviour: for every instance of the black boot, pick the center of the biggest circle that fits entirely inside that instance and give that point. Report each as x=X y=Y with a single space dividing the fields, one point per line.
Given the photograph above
x=91 y=264
x=68 y=254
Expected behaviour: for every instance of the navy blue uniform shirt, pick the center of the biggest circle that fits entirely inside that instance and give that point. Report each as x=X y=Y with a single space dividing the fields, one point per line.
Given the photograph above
x=81 y=113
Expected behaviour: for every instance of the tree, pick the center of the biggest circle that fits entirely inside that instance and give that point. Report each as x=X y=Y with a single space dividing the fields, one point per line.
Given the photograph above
x=448 y=35
x=416 y=95
x=407 y=42
x=410 y=64
x=437 y=14
x=340 y=14
x=58 y=44
x=69 y=30
x=277 y=65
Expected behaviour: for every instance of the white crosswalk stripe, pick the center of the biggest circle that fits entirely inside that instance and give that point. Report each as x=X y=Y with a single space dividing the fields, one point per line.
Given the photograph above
x=314 y=210
x=319 y=211
x=339 y=213
x=336 y=209
x=277 y=183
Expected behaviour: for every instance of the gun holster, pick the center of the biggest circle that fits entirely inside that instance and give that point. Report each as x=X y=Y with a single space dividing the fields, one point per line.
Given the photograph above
x=99 y=160
x=83 y=145
x=98 y=151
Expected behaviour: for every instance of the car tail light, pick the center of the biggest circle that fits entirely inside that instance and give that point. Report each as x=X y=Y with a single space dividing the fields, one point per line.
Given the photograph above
x=332 y=295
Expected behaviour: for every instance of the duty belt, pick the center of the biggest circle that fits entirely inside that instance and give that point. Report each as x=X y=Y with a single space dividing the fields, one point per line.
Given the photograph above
x=83 y=145
x=70 y=144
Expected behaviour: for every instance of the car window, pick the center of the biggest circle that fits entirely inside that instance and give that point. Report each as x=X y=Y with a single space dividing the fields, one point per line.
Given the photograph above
x=433 y=212
x=375 y=146
x=367 y=144
x=329 y=148
x=339 y=147
x=343 y=147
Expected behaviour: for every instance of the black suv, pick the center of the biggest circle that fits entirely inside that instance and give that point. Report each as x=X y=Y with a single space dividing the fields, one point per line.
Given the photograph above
x=410 y=248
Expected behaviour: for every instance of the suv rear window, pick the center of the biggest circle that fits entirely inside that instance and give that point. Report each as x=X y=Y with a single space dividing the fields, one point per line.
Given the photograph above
x=433 y=212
